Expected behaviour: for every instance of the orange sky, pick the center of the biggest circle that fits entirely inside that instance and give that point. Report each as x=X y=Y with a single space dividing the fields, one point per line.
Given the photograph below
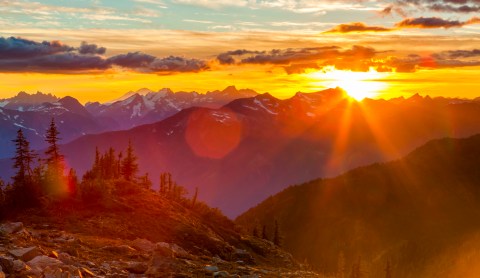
x=287 y=46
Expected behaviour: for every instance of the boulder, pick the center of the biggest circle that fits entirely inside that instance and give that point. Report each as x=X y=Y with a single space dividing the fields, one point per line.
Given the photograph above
x=221 y=274
x=25 y=254
x=11 y=227
x=52 y=272
x=42 y=262
x=211 y=268
x=143 y=245
x=137 y=267
x=121 y=249
x=7 y=265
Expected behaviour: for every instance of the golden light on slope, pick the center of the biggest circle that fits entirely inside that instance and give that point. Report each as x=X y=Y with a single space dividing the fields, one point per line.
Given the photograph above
x=358 y=85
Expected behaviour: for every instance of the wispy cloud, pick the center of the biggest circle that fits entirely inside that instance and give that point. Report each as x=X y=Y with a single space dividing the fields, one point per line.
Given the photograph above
x=434 y=22
x=356 y=27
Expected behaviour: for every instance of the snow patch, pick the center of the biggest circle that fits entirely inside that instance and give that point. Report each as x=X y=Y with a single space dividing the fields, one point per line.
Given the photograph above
x=136 y=110
x=259 y=103
x=24 y=127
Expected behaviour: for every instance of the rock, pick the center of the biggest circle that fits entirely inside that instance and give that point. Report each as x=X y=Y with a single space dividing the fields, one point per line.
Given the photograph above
x=163 y=249
x=179 y=251
x=121 y=249
x=143 y=245
x=162 y=262
x=243 y=255
x=221 y=274
x=41 y=262
x=65 y=258
x=25 y=254
x=7 y=264
x=211 y=268
x=19 y=266
x=2 y=274
x=137 y=267
x=11 y=227
x=52 y=272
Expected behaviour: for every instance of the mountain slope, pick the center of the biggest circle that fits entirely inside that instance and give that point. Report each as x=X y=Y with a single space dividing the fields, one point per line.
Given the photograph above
x=145 y=106
x=254 y=147
x=420 y=213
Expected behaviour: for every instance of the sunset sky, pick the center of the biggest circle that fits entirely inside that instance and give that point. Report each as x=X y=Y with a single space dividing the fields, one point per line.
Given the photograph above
x=98 y=49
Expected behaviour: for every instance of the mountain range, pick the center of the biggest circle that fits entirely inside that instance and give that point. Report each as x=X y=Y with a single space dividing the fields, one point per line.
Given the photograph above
x=251 y=148
x=33 y=113
x=417 y=214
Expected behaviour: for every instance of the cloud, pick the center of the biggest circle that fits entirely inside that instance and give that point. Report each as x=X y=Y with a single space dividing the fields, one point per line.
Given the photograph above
x=214 y=4
x=21 y=48
x=434 y=22
x=142 y=62
x=86 y=48
x=445 y=6
x=21 y=55
x=356 y=27
x=456 y=54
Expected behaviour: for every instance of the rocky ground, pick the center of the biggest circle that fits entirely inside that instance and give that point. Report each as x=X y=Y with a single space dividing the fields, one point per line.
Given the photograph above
x=102 y=244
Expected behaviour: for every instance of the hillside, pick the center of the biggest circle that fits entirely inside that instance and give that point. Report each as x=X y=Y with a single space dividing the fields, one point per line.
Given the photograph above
x=135 y=234
x=419 y=213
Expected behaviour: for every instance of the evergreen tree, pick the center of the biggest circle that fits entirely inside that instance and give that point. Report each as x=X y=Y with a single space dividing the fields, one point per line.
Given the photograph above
x=72 y=182
x=255 y=231
x=129 y=164
x=195 y=196
x=341 y=266
x=388 y=270
x=145 y=181
x=277 y=239
x=264 y=233
x=53 y=152
x=23 y=159
x=55 y=182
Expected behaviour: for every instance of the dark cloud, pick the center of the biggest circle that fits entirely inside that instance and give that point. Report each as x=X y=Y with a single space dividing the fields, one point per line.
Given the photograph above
x=132 y=60
x=12 y=48
x=147 y=63
x=434 y=22
x=456 y=54
x=21 y=55
x=226 y=58
x=450 y=6
x=356 y=27
x=86 y=48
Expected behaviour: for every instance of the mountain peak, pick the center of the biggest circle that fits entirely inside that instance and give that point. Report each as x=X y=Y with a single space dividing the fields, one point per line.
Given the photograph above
x=230 y=90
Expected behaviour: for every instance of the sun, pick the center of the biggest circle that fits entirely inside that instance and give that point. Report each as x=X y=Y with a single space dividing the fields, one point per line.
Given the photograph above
x=358 y=85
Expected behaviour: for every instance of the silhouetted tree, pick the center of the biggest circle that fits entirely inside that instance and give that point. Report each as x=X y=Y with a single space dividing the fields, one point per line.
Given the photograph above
x=54 y=160
x=255 y=231
x=341 y=266
x=264 y=232
x=145 y=181
x=72 y=180
x=388 y=270
x=23 y=159
x=357 y=269
x=194 y=198
x=277 y=238
x=129 y=164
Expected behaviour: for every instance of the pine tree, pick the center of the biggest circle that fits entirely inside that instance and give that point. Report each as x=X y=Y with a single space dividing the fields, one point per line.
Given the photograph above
x=264 y=233
x=388 y=270
x=255 y=231
x=129 y=164
x=195 y=196
x=53 y=153
x=72 y=182
x=55 y=182
x=341 y=266
x=23 y=159
x=277 y=240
